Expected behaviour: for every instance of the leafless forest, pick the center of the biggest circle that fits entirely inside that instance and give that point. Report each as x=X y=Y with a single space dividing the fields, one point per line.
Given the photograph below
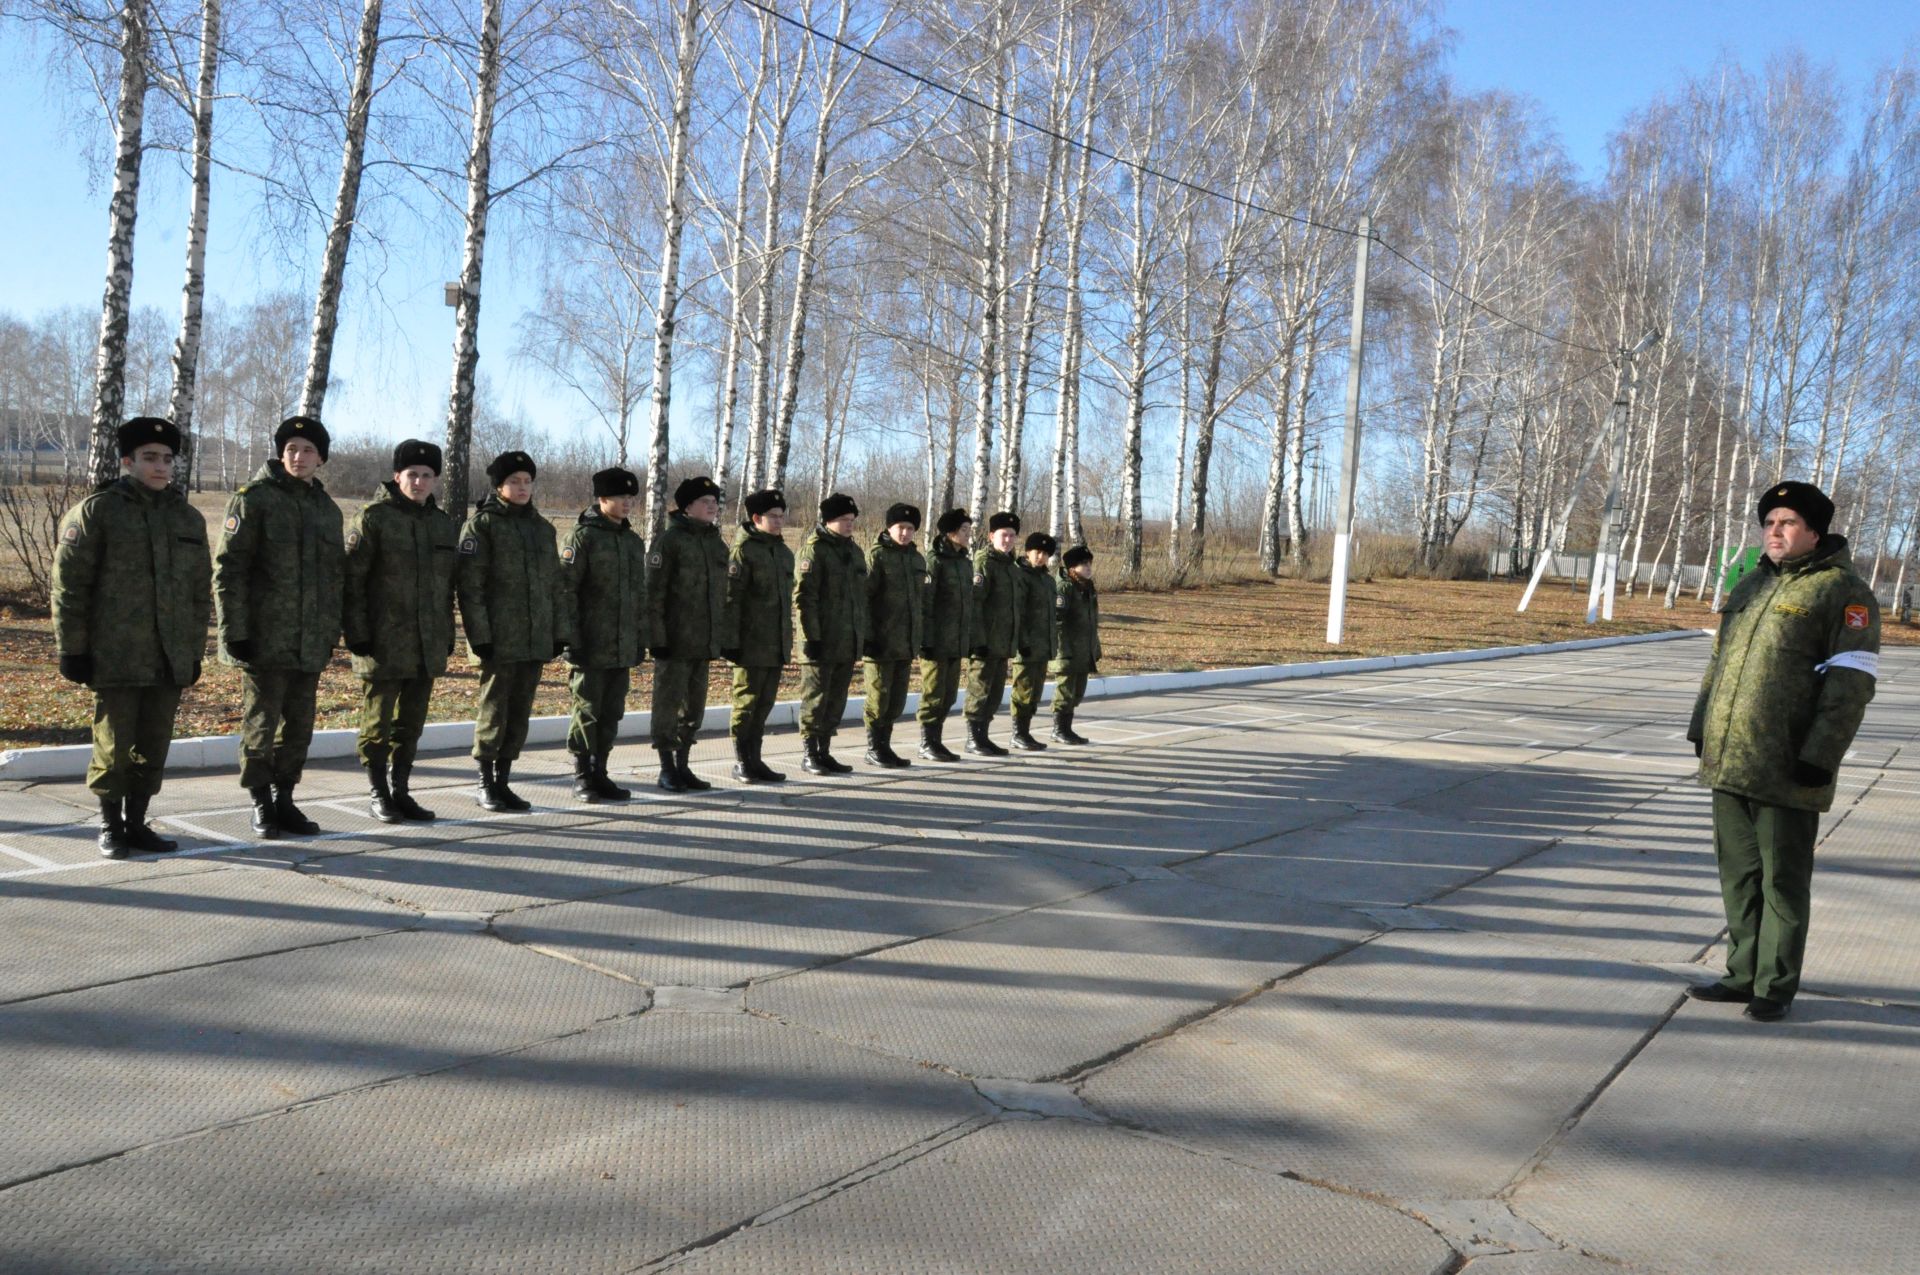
x=1093 y=259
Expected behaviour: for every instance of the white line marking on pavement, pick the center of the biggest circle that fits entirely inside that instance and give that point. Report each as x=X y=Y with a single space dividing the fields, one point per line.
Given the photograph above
x=24 y=857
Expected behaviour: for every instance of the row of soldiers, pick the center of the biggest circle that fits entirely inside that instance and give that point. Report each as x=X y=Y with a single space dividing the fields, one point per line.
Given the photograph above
x=134 y=586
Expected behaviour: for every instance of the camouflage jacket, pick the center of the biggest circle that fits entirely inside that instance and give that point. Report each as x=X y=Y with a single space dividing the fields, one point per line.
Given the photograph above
x=1793 y=667
x=132 y=585
x=510 y=587
x=948 y=626
x=687 y=590
x=1037 y=597
x=280 y=572
x=831 y=594
x=1076 y=626
x=760 y=599
x=896 y=607
x=996 y=605
x=399 y=593
x=603 y=571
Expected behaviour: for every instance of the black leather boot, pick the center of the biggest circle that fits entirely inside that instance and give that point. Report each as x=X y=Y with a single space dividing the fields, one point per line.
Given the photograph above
x=834 y=765
x=583 y=786
x=1063 y=732
x=1023 y=735
x=266 y=816
x=930 y=746
x=761 y=772
x=979 y=745
x=746 y=762
x=669 y=780
x=402 y=800
x=690 y=781
x=604 y=785
x=288 y=815
x=143 y=839
x=379 y=795
x=880 y=748
x=812 y=759
x=502 y=772
x=113 y=830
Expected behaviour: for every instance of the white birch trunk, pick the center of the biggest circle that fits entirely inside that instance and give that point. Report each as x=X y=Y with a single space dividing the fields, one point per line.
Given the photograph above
x=110 y=361
x=466 y=332
x=186 y=346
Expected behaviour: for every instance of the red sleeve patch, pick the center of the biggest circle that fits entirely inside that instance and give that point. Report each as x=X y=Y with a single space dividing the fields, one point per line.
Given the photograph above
x=1856 y=617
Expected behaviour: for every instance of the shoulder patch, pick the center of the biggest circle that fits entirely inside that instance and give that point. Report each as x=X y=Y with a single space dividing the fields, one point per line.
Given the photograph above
x=979 y=578
x=469 y=546
x=1856 y=617
x=71 y=534
x=566 y=554
x=353 y=538
x=1060 y=602
x=733 y=567
x=656 y=559
x=806 y=565
x=232 y=524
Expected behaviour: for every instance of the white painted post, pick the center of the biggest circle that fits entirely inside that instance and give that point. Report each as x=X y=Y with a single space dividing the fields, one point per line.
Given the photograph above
x=1350 y=450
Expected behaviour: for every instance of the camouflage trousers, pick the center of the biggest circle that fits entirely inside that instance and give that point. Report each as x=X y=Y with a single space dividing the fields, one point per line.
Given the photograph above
x=276 y=725
x=599 y=698
x=823 y=697
x=393 y=712
x=507 y=689
x=132 y=730
x=939 y=688
x=886 y=690
x=1766 y=881
x=755 y=690
x=1029 y=683
x=679 y=701
x=1068 y=690
x=986 y=687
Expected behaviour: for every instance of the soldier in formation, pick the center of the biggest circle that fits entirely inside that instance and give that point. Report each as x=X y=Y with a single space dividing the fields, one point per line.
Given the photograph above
x=830 y=593
x=278 y=580
x=1793 y=667
x=946 y=633
x=132 y=592
x=512 y=604
x=896 y=626
x=603 y=570
x=687 y=625
x=760 y=619
x=1076 y=640
x=1037 y=596
x=995 y=631
x=398 y=620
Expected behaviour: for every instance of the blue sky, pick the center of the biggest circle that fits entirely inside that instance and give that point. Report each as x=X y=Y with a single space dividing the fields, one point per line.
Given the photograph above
x=1587 y=64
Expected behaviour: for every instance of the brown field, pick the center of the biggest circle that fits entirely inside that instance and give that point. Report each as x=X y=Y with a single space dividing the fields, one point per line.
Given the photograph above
x=1216 y=625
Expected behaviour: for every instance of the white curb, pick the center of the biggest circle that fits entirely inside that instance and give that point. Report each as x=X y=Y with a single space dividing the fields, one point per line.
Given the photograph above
x=213 y=752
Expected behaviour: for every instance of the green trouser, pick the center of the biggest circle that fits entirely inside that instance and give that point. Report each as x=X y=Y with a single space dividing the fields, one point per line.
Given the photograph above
x=679 y=702
x=1766 y=879
x=132 y=729
x=939 y=688
x=755 y=690
x=986 y=687
x=507 y=688
x=276 y=725
x=1068 y=690
x=393 y=711
x=599 y=702
x=823 y=697
x=1029 y=680
x=886 y=690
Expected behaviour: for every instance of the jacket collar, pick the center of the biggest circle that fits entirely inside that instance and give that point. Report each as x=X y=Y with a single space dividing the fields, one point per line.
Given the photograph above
x=390 y=494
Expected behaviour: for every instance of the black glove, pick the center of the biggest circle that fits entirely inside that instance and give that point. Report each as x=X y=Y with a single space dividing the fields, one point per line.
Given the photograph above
x=1094 y=667
x=1808 y=775
x=662 y=652
x=872 y=650
x=482 y=649
x=452 y=646
x=196 y=673
x=979 y=652
x=241 y=649
x=559 y=649
x=77 y=668
x=926 y=653
x=1699 y=747
x=811 y=648
x=1026 y=653
x=360 y=648
x=731 y=654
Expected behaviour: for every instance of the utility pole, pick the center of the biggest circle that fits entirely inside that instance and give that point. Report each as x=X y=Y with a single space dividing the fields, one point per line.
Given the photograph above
x=1350 y=450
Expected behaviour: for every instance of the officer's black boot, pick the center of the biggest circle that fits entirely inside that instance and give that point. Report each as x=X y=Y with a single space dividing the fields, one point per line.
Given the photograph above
x=288 y=815
x=742 y=759
x=1063 y=732
x=502 y=772
x=834 y=765
x=583 y=785
x=266 y=816
x=142 y=838
x=930 y=746
x=1023 y=734
x=379 y=795
x=603 y=783
x=979 y=745
x=113 y=830
x=691 y=781
x=880 y=748
x=874 y=757
x=812 y=760
x=401 y=799
x=487 y=794
x=762 y=772
x=669 y=780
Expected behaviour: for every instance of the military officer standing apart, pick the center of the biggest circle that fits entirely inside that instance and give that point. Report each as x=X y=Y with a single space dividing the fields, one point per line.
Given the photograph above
x=995 y=631
x=515 y=614
x=1037 y=596
x=896 y=623
x=687 y=605
x=830 y=592
x=760 y=619
x=1076 y=639
x=1792 y=670
x=399 y=621
x=278 y=579
x=604 y=576
x=946 y=630
x=131 y=599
